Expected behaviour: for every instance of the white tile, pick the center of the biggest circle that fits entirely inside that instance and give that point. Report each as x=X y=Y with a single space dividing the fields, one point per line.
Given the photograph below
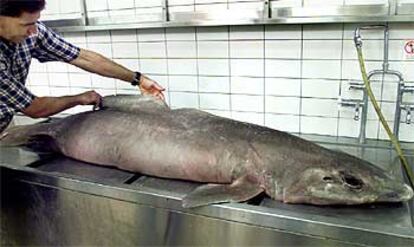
x=213 y=33
x=121 y=4
x=213 y=49
x=40 y=90
x=180 y=33
x=283 y=68
x=282 y=87
x=59 y=91
x=352 y=71
x=214 y=84
x=52 y=7
x=246 y=49
x=124 y=35
x=249 y=117
x=320 y=88
x=247 y=103
x=37 y=66
x=57 y=67
x=246 y=32
x=183 y=83
x=387 y=109
x=322 y=69
x=348 y=127
x=212 y=8
x=322 y=49
x=214 y=67
x=318 y=125
x=70 y=7
x=365 y=2
x=321 y=3
x=215 y=101
x=371 y=50
x=103 y=49
x=181 y=49
x=182 y=66
x=247 y=85
x=180 y=2
x=102 y=82
x=39 y=79
x=98 y=37
x=148 y=3
x=320 y=107
x=80 y=80
x=372 y=129
x=123 y=85
x=125 y=50
x=152 y=50
x=282 y=105
x=283 y=32
x=406 y=68
x=127 y=92
x=389 y=91
x=181 y=100
x=322 y=31
x=288 y=123
x=283 y=49
x=407 y=132
x=247 y=67
x=75 y=37
x=94 y=5
x=145 y=35
x=396 y=49
x=59 y=79
x=286 y=3
x=349 y=112
x=401 y=30
x=130 y=63
x=225 y=114
x=156 y=66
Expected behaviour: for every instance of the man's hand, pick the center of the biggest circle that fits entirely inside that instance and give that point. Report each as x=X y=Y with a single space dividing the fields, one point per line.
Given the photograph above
x=150 y=87
x=90 y=98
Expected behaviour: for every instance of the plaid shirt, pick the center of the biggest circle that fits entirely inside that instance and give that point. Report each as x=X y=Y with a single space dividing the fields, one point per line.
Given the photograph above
x=15 y=60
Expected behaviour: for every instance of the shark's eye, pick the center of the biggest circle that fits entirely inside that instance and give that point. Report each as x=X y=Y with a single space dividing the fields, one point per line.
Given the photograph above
x=352 y=182
x=327 y=179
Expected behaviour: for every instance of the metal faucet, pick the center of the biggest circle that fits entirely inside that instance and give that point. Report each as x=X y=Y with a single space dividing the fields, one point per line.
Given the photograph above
x=384 y=71
x=408 y=107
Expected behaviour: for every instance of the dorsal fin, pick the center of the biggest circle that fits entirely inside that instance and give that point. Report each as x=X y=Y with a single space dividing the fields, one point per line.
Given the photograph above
x=134 y=103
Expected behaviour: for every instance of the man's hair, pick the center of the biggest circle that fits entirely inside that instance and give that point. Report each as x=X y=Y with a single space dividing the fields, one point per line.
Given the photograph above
x=14 y=8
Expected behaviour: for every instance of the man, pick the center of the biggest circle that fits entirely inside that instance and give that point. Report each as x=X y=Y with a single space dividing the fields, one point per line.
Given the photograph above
x=22 y=37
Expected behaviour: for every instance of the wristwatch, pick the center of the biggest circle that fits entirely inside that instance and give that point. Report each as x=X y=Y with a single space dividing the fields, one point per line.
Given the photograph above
x=137 y=79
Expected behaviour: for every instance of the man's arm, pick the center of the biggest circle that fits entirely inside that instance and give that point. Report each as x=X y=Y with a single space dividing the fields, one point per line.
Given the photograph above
x=47 y=106
x=98 y=64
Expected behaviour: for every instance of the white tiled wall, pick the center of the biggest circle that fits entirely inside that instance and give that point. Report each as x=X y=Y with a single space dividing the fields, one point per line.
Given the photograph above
x=288 y=77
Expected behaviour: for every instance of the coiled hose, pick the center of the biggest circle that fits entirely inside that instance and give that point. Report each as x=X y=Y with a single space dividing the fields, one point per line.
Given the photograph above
x=374 y=102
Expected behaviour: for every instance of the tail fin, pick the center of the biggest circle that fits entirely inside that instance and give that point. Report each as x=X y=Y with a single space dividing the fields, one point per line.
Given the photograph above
x=23 y=135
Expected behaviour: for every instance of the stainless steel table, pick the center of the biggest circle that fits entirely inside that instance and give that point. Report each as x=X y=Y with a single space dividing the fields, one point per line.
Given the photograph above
x=53 y=200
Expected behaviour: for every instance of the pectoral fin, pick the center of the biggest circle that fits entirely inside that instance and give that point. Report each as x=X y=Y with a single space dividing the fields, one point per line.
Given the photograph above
x=240 y=190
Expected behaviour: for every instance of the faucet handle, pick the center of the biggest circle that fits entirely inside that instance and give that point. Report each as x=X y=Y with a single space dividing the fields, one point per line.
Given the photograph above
x=356 y=86
x=356 y=104
x=408 y=108
x=408 y=89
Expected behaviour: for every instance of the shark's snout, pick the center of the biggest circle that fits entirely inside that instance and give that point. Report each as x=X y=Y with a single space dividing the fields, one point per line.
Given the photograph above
x=403 y=193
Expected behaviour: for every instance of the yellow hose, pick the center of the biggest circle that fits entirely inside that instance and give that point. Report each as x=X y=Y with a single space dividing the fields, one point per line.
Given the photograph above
x=374 y=102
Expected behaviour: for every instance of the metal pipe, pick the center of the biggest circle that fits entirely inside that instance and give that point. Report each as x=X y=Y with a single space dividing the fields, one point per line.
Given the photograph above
x=385 y=70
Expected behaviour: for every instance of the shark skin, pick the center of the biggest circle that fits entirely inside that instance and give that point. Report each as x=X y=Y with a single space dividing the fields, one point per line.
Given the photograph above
x=236 y=160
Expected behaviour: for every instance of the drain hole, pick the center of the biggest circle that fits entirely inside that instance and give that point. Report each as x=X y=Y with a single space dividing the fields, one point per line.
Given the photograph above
x=133 y=179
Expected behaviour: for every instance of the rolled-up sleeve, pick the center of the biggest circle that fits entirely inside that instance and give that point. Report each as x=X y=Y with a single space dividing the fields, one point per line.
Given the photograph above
x=52 y=47
x=14 y=97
